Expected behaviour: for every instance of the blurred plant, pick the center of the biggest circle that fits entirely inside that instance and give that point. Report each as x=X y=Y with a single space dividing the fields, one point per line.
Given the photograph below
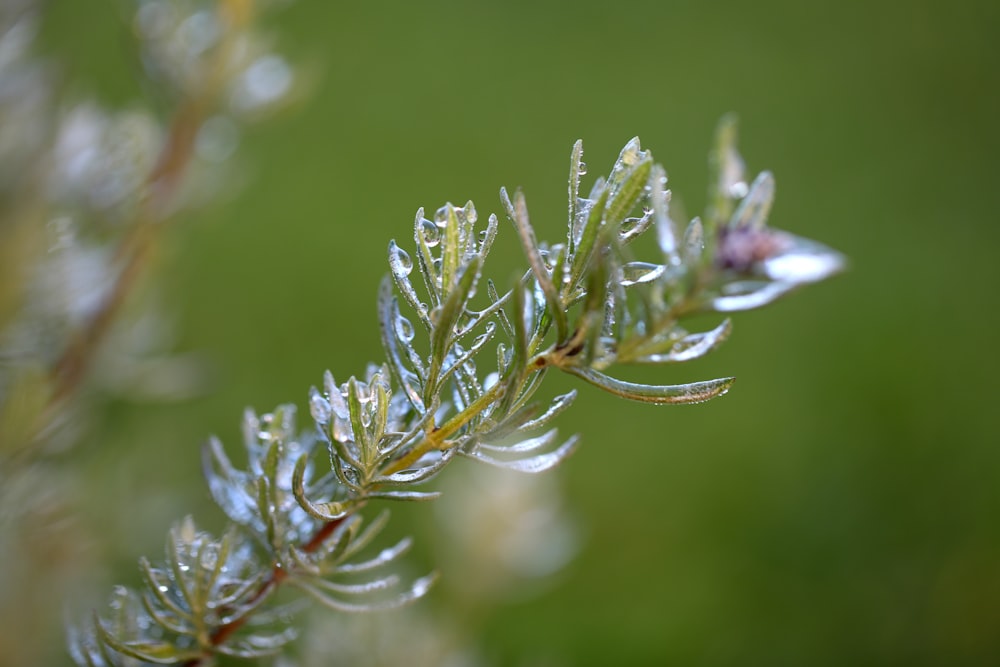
x=461 y=382
x=85 y=193
x=502 y=537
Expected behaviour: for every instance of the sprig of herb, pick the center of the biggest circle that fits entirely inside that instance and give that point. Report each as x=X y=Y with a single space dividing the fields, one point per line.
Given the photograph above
x=460 y=381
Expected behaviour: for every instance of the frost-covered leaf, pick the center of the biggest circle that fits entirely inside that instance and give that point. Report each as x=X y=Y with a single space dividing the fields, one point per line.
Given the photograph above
x=727 y=180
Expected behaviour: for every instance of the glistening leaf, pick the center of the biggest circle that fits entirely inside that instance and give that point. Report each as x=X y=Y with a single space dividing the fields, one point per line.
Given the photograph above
x=447 y=317
x=695 y=392
x=517 y=211
x=534 y=464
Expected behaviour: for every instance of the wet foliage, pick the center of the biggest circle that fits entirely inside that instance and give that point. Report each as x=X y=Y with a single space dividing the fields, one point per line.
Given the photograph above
x=465 y=359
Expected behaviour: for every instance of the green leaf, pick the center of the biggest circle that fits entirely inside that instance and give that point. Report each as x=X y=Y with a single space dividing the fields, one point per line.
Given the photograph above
x=492 y=226
x=323 y=511
x=159 y=586
x=691 y=346
x=576 y=170
x=387 y=312
x=443 y=334
x=425 y=260
x=362 y=537
x=534 y=464
x=400 y=266
x=521 y=335
x=666 y=234
x=156 y=652
x=725 y=167
x=518 y=213
x=631 y=191
x=451 y=250
x=695 y=392
x=497 y=303
x=406 y=495
x=361 y=435
x=588 y=239
x=753 y=210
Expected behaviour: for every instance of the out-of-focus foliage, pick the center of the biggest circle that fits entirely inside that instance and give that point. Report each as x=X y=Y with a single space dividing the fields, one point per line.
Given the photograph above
x=85 y=194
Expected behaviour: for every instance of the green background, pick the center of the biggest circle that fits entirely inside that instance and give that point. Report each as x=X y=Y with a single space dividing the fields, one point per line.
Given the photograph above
x=839 y=506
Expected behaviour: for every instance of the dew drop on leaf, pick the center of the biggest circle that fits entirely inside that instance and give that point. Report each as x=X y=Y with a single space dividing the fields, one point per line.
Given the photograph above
x=430 y=233
x=635 y=273
x=399 y=261
x=404 y=329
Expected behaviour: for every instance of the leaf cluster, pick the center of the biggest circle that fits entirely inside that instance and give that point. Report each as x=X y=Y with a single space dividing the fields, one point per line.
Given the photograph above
x=464 y=360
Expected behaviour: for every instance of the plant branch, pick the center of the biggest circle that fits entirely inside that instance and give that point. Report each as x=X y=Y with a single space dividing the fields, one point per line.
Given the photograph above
x=277 y=576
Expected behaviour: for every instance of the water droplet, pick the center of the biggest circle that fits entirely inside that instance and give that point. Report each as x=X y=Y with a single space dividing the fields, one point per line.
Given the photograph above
x=342 y=430
x=470 y=212
x=163 y=589
x=582 y=169
x=546 y=255
x=430 y=233
x=404 y=329
x=635 y=273
x=364 y=393
x=399 y=261
x=441 y=217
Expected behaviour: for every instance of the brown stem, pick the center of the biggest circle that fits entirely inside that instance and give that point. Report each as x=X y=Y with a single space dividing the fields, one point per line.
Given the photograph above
x=275 y=579
x=134 y=251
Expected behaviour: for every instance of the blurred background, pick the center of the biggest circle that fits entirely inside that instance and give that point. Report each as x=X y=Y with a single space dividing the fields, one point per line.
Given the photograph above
x=840 y=506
